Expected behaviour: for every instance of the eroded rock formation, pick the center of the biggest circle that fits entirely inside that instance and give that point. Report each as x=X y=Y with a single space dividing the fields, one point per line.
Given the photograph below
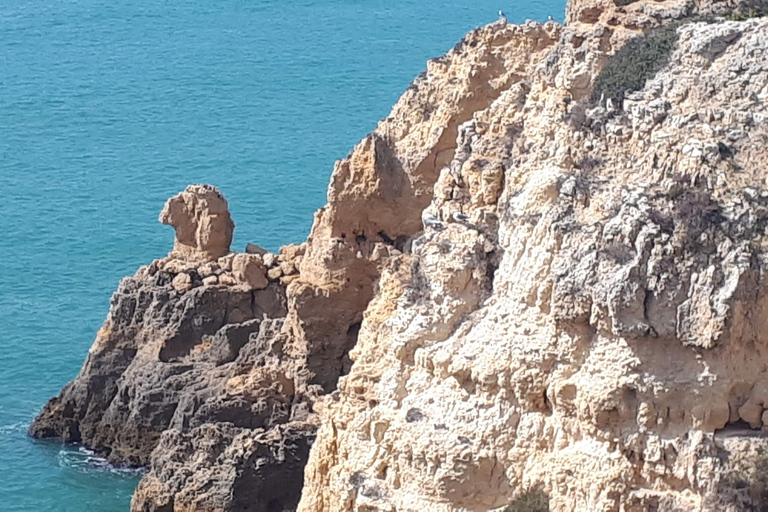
x=189 y=374
x=200 y=216
x=517 y=291
x=594 y=333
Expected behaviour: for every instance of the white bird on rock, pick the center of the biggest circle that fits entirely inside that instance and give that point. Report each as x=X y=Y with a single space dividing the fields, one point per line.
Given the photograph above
x=459 y=217
x=502 y=15
x=430 y=221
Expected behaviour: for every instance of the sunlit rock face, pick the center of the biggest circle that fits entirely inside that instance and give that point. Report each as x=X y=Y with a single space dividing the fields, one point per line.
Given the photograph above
x=593 y=335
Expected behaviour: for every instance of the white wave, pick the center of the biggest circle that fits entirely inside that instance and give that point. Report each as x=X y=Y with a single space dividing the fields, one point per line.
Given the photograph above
x=84 y=460
x=11 y=428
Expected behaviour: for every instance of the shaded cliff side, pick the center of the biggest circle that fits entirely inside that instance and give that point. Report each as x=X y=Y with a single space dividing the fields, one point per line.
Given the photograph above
x=540 y=278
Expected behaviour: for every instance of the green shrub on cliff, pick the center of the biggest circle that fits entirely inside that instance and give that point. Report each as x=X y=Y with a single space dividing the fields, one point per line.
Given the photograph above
x=747 y=9
x=635 y=63
x=532 y=501
x=746 y=15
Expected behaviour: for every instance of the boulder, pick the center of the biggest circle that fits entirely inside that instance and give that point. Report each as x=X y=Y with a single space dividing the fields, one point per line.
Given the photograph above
x=182 y=282
x=249 y=269
x=204 y=228
x=255 y=249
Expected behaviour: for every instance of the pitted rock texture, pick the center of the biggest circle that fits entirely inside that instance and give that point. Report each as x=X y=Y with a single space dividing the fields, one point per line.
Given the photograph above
x=221 y=467
x=595 y=330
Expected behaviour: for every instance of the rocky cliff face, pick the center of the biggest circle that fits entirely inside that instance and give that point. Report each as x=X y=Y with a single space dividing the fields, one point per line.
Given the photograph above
x=190 y=376
x=593 y=335
x=522 y=293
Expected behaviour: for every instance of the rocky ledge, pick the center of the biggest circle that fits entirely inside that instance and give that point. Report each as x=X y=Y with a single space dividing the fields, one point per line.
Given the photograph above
x=539 y=284
x=191 y=360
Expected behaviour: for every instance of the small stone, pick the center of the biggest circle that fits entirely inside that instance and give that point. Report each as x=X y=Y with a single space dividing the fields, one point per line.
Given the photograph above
x=255 y=249
x=208 y=269
x=270 y=259
x=176 y=266
x=289 y=252
x=288 y=268
x=225 y=262
x=274 y=273
x=249 y=269
x=289 y=279
x=182 y=282
x=210 y=281
x=227 y=279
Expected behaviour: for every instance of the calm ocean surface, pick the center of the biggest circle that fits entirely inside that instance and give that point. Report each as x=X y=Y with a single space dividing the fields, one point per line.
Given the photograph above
x=109 y=108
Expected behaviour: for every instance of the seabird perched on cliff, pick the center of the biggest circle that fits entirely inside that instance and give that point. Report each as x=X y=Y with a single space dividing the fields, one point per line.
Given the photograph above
x=502 y=15
x=430 y=221
x=550 y=18
x=459 y=217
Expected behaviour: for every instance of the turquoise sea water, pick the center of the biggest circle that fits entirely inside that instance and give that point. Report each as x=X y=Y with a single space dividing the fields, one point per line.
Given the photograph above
x=108 y=108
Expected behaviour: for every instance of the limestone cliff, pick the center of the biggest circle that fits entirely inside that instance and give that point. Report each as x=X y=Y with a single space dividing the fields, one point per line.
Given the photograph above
x=593 y=336
x=526 y=291
x=191 y=360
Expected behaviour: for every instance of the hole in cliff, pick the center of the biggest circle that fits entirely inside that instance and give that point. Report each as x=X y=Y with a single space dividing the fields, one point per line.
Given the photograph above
x=373 y=492
x=361 y=239
x=401 y=242
x=740 y=428
x=387 y=240
x=547 y=405
x=588 y=164
x=168 y=507
x=490 y=269
x=356 y=479
x=724 y=150
x=354 y=330
x=275 y=506
x=346 y=362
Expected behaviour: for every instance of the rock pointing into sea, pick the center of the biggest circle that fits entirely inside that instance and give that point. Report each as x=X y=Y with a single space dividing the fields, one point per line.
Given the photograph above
x=190 y=364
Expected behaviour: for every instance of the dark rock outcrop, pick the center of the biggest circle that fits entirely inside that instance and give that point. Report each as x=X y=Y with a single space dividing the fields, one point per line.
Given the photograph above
x=191 y=376
x=161 y=360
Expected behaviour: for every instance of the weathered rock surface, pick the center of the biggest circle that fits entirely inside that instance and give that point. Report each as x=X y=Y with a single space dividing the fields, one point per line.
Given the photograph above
x=595 y=331
x=189 y=370
x=161 y=358
x=581 y=319
x=200 y=216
